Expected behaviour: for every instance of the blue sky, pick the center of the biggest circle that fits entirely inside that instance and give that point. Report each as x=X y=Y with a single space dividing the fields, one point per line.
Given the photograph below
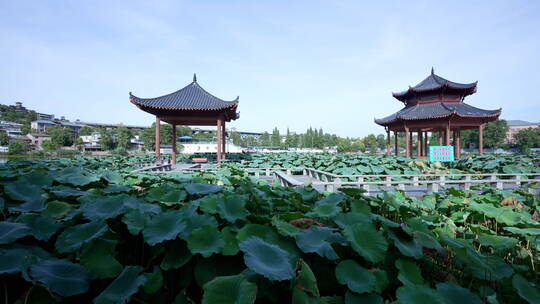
x=329 y=64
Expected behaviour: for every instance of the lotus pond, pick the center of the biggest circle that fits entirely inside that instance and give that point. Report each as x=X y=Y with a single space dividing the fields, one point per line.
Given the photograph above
x=90 y=230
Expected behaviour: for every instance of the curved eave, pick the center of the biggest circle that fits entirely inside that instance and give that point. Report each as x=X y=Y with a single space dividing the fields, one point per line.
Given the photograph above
x=137 y=101
x=469 y=88
x=453 y=113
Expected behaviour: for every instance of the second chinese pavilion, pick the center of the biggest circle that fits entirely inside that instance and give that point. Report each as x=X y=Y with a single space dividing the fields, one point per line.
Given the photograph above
x=192 y=106
x=436 y=105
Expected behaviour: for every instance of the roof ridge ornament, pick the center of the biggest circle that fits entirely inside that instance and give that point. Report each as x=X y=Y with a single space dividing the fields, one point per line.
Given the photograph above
x=194 y=77
x=432 y=71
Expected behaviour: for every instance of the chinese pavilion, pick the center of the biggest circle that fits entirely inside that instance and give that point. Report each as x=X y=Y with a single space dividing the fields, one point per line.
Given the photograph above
x=436 y=105
x=192 y=106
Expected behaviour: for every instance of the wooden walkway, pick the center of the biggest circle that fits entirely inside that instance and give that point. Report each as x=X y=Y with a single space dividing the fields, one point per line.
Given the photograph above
x=412 y=184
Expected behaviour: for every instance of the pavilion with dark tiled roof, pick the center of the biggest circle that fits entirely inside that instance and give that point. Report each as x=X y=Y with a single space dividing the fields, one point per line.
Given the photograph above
x=436 y=105
x=191 y=105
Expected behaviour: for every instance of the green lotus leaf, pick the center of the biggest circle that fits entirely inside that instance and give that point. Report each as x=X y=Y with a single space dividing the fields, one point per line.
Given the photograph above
x=523 y=231
x=99 y=259
x=284 y=228
x=154 y=281
x=525 y=289
x=381 y=280
x=267 y=259
x=319 y=240
x=201 y=189
x=206 y=241
x=367 y=241
x=102 y=207
x=165 y=226
x=39 y=178
x=344 y=220
x=13 y=258
x=409 y=272
x=43 y=227
x=196 y=221
x=110 y=189
x=111 y=176
x=497 y=241
x=66 y=192
x=406 y=244
x=75 y=177
x=356 y=277
x=135 y=220
x=10 y=232
x=208 y=204
x=232 y=208
x=177 y=256
x=231 y=243
x=216 y=266
x=328 y=206
x=454 y=294
x=306 y=280
x=123 y=287
x=72 y=238
x=61 y=276
x=24 y=192
x=269 y=235
x=418 y=295
x=2 y=203
x=368 y=298
x=168 y=194
x=229 y=290
x=57 y=209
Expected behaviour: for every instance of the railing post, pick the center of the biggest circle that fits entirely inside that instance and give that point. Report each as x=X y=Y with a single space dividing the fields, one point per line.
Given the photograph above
x=442 y=178
x=433 y=186
x=289 y=171
x=415 y=180
x=267 y=171
x=517 y=178
x=467 y=185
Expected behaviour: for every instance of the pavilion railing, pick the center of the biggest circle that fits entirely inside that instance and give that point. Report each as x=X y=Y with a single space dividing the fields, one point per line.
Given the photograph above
x=433 y=182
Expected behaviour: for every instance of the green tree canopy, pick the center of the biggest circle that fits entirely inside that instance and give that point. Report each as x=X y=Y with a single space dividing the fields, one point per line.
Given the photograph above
x=105 y=139
x=124 y=137
x=86 y=130
x=18 y=147
x=527 y=139
x=60 y=137
x=276 y=138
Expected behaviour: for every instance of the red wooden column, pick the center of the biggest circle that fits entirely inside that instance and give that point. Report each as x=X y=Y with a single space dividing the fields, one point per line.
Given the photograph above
x=447 y=135
x=223 y=140
x=407 y=143
x=411 y=143
x=419 y=144
x=158 y=140
x=426 y=147
x=457 y=144
x=173 y=159
x=387 y=141
x=396 y=143
x=481 y=139
x=218 y=139
x=440 y=138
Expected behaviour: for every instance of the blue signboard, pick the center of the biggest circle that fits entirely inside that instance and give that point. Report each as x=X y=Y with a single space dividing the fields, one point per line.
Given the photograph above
x=441 y=153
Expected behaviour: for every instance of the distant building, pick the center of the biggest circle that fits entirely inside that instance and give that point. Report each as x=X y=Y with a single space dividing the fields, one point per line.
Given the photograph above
x=41 y=126
x=514 y=126
x=37 y=139
x=19 y=107
x=109 y=126
x=11 y=128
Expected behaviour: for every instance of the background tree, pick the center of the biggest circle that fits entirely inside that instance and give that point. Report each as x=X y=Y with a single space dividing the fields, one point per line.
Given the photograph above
x=149 y=138
x=48 y=145
x=276 y=138
x=4 y=138
x=236 y=138
x=371 y=143
x=123 y=137
x=264 y=140
x=86 y=130
x=381 y=141
x=105 y=139
x=527 y=139
x=495 y=133
x=61 y=137
x=18 y=147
